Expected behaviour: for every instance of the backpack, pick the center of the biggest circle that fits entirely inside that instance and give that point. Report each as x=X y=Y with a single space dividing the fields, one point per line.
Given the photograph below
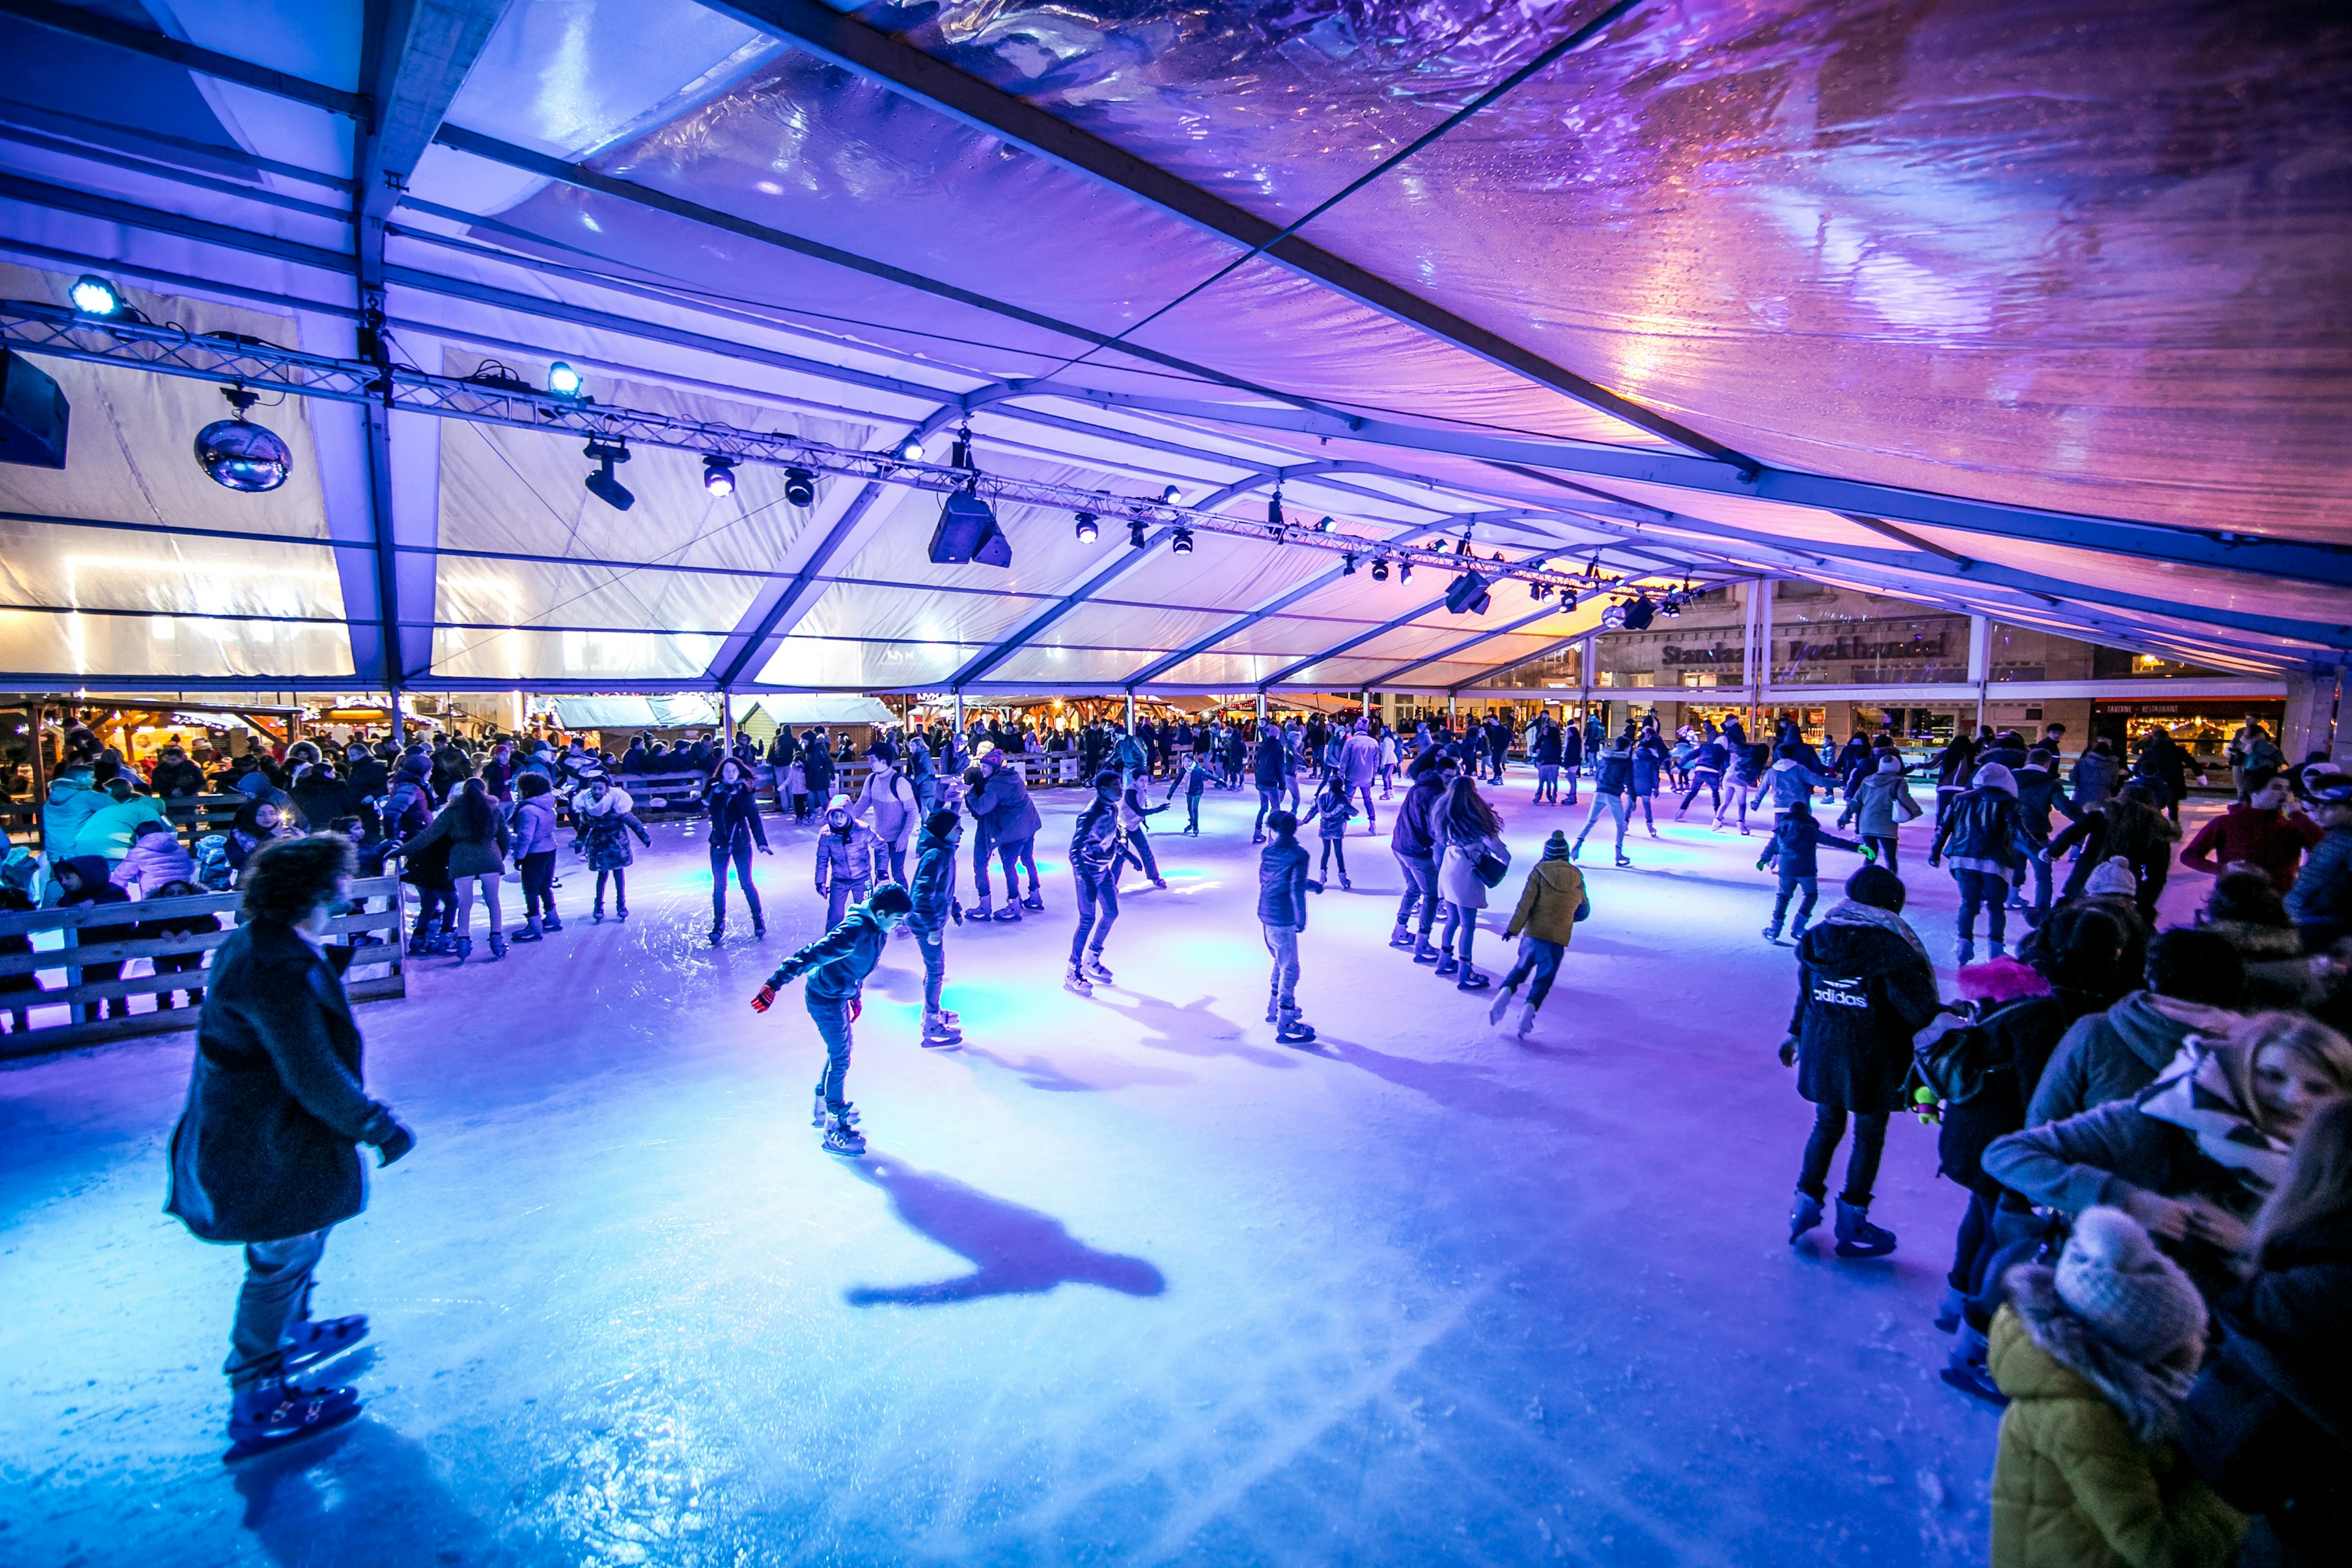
x=213 y=873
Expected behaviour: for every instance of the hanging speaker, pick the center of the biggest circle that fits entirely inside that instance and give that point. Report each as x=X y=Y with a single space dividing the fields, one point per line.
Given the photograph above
x=33 y=415
x=967 y=532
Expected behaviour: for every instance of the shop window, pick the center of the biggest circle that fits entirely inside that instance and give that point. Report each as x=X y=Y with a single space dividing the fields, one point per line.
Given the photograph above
x=2027 y=653
x=1824 y=636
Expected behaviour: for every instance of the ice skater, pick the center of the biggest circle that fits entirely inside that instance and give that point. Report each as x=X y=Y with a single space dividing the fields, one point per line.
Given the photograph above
x=934 y=905
x=1094 y=868
x=1282 y=890
x=1982 y=831
x=1413 y=842
x=849 y=860
x=266 y=1151
x=1193 y=778
x=837 y=965
x=1135 y=839
x=1270 y=769
x=1612 y=782
x=1708 y=758
x=1333 y=807
x=1359 y=769
x=534 y=855
x=1543 y=746
x=1009 y=822
x=1880 y=802
x=890 y=802
x=605 y=822
x=1473 y=861
x=1794 y=853
x=1550 y=905
x=734 y=828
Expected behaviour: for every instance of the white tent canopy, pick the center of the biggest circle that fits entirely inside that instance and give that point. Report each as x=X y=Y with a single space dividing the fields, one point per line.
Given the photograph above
x=1585 y=327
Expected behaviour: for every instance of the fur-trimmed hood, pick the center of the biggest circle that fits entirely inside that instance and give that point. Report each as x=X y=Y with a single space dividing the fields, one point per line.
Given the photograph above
x=2147 y=1397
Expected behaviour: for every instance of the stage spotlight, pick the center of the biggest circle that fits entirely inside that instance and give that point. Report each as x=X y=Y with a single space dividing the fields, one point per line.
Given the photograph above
x=1612 y=619
x=602 y=484
x=1134 y=534
x=968 y=531
x=719 y=475
x=1404 y=571
x=241 y=455
x=1347 y=567
x=909 y=450
x=94 y=296
x=1182 y=543
x=562 y=381
x=1670 y=607
x=1537 y=591
x=1468 y=593
x=1274 y=510
x=1170 y=496
x=800 y=487
x=1324 y=526
x=1381 y=570
x=1087 y=530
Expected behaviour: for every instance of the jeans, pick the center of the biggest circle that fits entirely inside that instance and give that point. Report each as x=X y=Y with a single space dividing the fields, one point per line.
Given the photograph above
x=1138 y=848
x=1011 y=855
x=1615 y=804
x=741 y=855
x=933 y=946
x=1860 y=1163
x=1547 y=782
x=1709 y=780
x=1420 y=885
x=1982 y=888
x=1332 y=847
x=1788 y=885
x=538 y=884
x=1371 y=817
x=1739 y=795
x=276 y=1292
x=843 y=894
x=620 y=889
x=1538 y=959
x=1464 y=921
x=1884 y=844
x=1269 y=799
x=1193 y=813
x=2041 y=892
x=1097 y=908
x=897 y=854
x=1283 y=942
x=832 y=1028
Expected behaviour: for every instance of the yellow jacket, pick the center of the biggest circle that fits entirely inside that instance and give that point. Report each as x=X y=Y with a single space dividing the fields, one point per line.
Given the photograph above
x=2072 y=1487
x=1547 y=904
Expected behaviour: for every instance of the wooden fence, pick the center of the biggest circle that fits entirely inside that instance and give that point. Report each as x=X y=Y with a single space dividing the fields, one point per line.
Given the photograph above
x=56 y=1021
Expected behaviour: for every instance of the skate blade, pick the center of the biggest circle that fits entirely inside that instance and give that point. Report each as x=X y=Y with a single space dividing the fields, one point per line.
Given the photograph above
x=254 y=1448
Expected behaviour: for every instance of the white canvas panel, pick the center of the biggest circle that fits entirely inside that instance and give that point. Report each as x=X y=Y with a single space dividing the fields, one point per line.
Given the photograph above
x=110 y=569
x=140 y=646
x=903 y=613
x=524 y=656
x=844 y=664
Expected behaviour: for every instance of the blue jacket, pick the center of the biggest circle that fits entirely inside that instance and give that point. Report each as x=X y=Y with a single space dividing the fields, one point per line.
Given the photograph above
x=2322 y=895
x=1796 y=838
x=935 y=882
x=1282 y=884
x=837 y=963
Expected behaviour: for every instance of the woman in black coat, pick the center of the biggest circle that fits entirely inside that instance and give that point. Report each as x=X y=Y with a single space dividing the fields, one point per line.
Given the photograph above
x=734 y=828
x=266 y=1151
x=1864 y=988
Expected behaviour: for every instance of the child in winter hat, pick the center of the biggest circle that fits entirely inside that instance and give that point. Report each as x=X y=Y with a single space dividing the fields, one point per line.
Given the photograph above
x=2113 y=876
x=2095 y=1356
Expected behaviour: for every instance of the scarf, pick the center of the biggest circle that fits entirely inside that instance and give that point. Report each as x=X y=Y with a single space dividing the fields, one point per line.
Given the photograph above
x=2196 y=1093
x=1847 y=912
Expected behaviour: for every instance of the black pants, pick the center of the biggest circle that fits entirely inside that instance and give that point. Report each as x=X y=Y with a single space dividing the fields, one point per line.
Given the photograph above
x=1885 y=843
x=1701 y=779
x=1861 y=1162
x=538 y=884
x=620 y=889
x=740 y=853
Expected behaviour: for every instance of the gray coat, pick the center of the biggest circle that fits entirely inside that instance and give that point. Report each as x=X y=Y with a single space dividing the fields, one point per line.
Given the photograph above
x=1874 y=806
x=268 y=1146
x=2115 y=1054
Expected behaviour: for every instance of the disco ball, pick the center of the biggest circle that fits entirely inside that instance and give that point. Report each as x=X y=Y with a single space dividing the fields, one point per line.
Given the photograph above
x=243 y=456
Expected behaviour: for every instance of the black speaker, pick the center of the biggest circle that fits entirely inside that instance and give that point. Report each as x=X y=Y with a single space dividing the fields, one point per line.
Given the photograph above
x=33 y=415
x=1468 y=592
x=967 y=533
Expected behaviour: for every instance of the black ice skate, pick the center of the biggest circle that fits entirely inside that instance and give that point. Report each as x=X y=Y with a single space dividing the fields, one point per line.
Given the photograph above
x=1294 y=1030
x=272 y=1413
x=842 y=1138
x=312 y=1340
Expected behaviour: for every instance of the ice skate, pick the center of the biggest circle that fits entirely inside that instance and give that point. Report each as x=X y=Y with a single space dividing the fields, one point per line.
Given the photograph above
x=1773 y=935
x=1007 y=915
x=312 y=1340
x=498 y=945
x=760 y=927
x=1950 y=1309
x=718 y=933
x=979 y=912
x=420 y=940
x=464 y=948
x=1077 y=982
x=270 y=1413
x=552 y=922
x=528 y=933
x=1423 y=952
x=1965 y=1369
x=1967 y=950
x=1401 y=937
x=1622 y=861
x=1294 y=1030
x=1160 y=882
x=1576 y=850
x=1999 y=948
x=622 y=913
x=1502 y=1003
x=1796 y=933
x=939 y=1035
x=1036 y=903
x=1345 y=884
x=953 y=1020
x=820 y=1112
x=1804 y=1214
x=1472 y=979
x=1527 y=1019
x=1856 y=1237
x=1095 y=969
x=597 y=915
x=1447 y=965
x=841 y=1137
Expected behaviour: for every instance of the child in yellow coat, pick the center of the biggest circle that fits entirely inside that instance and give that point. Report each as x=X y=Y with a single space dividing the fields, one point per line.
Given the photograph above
x=1549 y=906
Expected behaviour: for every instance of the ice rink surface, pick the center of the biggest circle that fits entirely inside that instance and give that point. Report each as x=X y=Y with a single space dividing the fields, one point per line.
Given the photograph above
x=1121 y=1281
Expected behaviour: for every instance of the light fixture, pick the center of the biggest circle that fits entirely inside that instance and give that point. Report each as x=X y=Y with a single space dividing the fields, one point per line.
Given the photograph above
x=800 y=487
x=1180 y=543
x=1639 y=614
x=602 y=484
x=1670 y=606
x=1134 y=534
x=1347 y=567
x=1612 y=619
x=1324 y=526
x=241 y=455
x=719 y=475
x=1168 y=497
x=94 y=296
x=1380 y=570
x=909 y=450
x=1087 y=530
x=1404 y=571
x=1468 y=593
x=562 y=381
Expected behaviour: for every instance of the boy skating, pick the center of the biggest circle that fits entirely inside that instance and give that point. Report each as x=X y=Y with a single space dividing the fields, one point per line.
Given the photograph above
x=837 y=965
x=1282 y=890
x=1550 y=904
x=1094 y=868
x=934 y=904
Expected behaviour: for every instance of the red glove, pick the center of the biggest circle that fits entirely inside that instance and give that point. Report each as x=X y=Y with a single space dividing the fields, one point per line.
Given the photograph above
x=857 y=1005
x=764 y=1000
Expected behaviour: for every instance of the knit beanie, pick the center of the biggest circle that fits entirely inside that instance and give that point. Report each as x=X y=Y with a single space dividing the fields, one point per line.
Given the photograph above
x=1556 y=846
x=1992 y=775
x=2132 y=1296
x=2113 y=876
x=1890 y=762
x=1878 y=886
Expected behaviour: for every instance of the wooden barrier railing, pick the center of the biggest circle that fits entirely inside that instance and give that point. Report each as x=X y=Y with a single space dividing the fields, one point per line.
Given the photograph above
x=55 y=1013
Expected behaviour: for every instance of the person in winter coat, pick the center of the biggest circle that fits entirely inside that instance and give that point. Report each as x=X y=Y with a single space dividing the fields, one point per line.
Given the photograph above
x=735 y=826
x=176 y=777
x=1270 y=764
x=266 y=1153
x=837 y=965
x=2095 y=1356
x=2038 y=794
x=1282 y=888
x=1878 y=804
x=1745 y=784
x=71 y=802
x=606 y=820
x=1009 y=822
x=1986 y=846
x=892 y=805
x=816 y=764
x=156 y=857
x=935 y=904
x=1414 y=841
x=2268 y=1423
x=83 y=881
x=479 y=838
x=2320 y=902
x=2096 y=775
x=1793 y=777
x=2192 y=978
x=2261 y=831
x=368 y=780
x=1708 y=758
x=107 y=832
x=2163 y=766
x=1359 y=769
x=321 y=794
x=1612 y=782
x=1794 y=853
x=162 y=926
x=1094 y=871
x=1192 y=776
x=408 y=806
x=1571 y=759
x=1865 y=987
x=1332 y=812
x=1550 y=903
x=1650 y=759
x=2194 y=1154
x=1135 y=840
x=1469 y=832
x=849 y=860
x=533 y=825
x=2125 y=826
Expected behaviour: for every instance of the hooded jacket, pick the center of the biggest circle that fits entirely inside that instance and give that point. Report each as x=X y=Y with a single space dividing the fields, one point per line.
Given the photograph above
x=1793 y=779
x=849 y=853
x=1004 y=807
x=154 y=859
x=1281 y=883
x=2020 y=1037
x=1880 y=804
x=71 y=802
x=1864 y=988
x=108 y=831
x=1549 y=901
x=2073 y=1484
x=1796 y=842
x=2096 y=775
x=2116 y=1053
x=177 y=778
x=534 y=826
x=1413 y=834
x=2321 y=899
x=935 y=883
x=606 y=824
x=837 y=963
x=1982 y=831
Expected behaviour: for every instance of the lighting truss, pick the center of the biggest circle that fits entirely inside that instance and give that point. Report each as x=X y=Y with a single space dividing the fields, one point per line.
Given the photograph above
x=35 y=327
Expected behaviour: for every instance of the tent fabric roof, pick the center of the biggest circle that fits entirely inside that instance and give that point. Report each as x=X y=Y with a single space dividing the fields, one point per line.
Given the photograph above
x=1913 y=301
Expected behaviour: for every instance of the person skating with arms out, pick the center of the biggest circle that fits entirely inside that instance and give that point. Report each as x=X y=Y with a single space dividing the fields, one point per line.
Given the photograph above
x=1193 y=778
x=849 y=860
x=934 y=905
x=1550 y=904
x=1612 y=783
x=837 y=965
x=1094 y=866
x=266 y=1151
x=1332 y=810
x=1282 y=890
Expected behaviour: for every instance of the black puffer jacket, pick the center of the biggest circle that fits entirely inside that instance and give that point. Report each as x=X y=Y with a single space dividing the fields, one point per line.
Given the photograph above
x=1862 y=991
x=2268 y=1422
